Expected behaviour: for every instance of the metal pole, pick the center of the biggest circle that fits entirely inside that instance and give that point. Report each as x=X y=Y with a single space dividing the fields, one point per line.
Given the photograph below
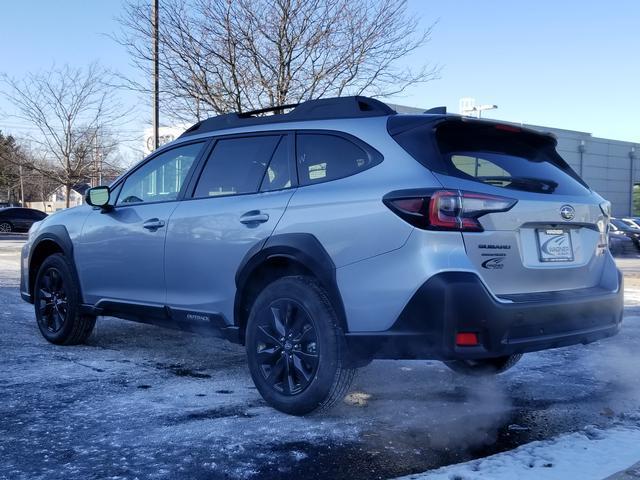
x=21 y=186
x=632 y=156
x=156 y=82
x=94 y=182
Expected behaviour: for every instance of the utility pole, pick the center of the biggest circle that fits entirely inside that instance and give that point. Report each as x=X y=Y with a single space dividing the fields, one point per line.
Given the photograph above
x=156 y=82
x=94 y=180
x=21 y=186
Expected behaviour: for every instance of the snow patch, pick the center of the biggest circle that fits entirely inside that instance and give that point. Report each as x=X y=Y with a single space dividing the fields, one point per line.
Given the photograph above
x=592 y=454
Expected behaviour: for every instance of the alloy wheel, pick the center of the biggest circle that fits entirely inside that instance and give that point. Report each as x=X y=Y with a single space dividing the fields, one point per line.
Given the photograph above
x=286 y=346
x=52 y=300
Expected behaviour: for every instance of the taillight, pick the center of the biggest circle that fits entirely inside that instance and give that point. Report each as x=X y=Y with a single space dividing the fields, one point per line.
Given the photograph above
x=446 y=209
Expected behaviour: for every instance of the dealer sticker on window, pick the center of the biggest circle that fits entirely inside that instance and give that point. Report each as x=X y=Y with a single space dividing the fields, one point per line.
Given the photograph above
x=554 y=245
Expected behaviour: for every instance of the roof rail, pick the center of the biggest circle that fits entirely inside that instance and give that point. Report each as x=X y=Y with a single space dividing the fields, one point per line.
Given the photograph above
x=436 y=110
x=321 y=109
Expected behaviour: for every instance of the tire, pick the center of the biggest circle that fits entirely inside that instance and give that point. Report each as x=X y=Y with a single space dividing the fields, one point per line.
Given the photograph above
x=484 y=367
x=5 y=227
x=295 y=347
x=57 y=303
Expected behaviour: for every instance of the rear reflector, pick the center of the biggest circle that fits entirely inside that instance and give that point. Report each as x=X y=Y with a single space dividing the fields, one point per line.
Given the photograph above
x=467 y=339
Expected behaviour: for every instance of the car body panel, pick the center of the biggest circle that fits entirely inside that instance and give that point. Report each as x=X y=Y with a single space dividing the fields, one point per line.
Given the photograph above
x=506 y=254
x=119 y=259
x=206 y=243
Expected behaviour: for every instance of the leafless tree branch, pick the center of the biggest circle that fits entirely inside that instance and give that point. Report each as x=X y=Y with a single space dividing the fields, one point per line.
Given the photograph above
x=73 y=111
x=218 y=56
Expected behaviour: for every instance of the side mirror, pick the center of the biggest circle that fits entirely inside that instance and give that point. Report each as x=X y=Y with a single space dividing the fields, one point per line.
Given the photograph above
x=98 y=197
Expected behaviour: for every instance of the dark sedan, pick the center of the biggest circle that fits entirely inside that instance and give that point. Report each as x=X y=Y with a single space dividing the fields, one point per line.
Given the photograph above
x=620 y=228
x=620 y=243
x=16 y=219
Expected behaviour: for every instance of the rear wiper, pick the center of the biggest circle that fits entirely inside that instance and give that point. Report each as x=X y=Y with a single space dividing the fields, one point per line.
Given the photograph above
x=528 y=184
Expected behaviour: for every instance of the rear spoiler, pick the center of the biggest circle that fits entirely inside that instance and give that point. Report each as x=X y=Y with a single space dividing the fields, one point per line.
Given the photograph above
x=401 y=123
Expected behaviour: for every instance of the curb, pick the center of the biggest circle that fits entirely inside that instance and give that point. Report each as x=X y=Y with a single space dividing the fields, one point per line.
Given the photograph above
x=631 y=473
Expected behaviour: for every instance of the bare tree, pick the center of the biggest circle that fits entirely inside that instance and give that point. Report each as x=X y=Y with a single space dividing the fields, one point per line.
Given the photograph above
x=9 y=166
x=218 y=56
x=68 y=107
x=18 y=179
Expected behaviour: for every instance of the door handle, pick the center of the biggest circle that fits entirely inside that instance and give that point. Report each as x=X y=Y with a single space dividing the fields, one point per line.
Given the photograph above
x=253 y=217
x=153 y=224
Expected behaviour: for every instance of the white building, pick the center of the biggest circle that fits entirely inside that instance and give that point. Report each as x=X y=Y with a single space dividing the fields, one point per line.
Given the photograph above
x=57 y=200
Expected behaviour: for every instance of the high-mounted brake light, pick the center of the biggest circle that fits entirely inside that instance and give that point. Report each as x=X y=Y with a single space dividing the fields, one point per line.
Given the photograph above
x=508 y=128
x=446 y=209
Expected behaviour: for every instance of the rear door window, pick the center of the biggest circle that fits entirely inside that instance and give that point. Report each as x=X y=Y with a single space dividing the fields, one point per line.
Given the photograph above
x=236 y=166
x=279 y=174
x=325 y=157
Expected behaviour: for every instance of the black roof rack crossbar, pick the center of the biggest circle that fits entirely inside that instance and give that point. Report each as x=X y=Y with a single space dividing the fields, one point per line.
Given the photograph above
x=278 y=109
x=320 y=109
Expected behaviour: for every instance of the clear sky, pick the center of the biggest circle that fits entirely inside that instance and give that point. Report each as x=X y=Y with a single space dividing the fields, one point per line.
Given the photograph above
x=568 y=64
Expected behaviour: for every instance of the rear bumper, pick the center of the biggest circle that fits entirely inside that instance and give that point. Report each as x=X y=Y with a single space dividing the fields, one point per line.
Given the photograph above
x=453 y=302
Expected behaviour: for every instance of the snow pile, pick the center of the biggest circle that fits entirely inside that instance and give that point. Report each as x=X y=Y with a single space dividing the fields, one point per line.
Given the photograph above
x=593 y=454
x=631 y=297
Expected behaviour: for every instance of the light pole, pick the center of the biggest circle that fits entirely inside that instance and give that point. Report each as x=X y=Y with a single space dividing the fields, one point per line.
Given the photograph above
x=156 y=82
x=481 y=108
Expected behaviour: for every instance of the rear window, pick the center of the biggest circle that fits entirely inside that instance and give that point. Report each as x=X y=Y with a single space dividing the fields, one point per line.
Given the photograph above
x=497 y=155
x=326 y=157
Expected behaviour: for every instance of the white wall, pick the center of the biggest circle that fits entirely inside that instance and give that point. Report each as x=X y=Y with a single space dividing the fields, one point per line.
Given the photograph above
x=606 y=165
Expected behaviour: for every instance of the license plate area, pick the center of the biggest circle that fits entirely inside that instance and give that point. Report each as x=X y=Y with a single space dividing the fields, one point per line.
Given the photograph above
x=554 y=245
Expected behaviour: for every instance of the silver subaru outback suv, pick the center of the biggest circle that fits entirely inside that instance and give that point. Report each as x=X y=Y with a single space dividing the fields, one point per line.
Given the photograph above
x=335 y=234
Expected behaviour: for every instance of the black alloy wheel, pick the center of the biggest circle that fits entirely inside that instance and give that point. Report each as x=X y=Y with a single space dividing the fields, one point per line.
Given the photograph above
x=287 y=346
x=56 y=298
x=296 y=349
x=52 y=300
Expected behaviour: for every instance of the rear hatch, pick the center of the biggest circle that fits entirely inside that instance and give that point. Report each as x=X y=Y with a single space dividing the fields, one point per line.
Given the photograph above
x=543 y=229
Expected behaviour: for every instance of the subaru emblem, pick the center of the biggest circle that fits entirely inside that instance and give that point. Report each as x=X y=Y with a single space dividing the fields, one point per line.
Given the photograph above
x=567 y=212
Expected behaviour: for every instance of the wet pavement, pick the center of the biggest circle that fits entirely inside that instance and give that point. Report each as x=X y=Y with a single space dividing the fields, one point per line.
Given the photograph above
x=143 y=402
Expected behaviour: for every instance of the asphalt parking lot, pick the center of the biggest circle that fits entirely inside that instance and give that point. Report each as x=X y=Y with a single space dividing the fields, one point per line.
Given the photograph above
x=142 y=402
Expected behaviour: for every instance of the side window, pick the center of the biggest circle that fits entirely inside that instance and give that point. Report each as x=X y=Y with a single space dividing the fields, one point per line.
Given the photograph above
x=161 y=178
x=278 y=174
x=236 y=166
x=34 y=215
x=326 y=157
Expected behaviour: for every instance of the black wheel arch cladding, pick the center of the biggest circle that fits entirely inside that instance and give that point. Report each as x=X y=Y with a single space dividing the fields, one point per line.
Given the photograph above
x=47 y=237
x=303 y=249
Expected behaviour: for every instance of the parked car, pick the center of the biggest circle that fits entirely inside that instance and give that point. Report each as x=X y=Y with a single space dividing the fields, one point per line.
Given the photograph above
x=335 y=234
x=632 y=222
x=620 y=243
x=628 y=230
x=17 y=219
